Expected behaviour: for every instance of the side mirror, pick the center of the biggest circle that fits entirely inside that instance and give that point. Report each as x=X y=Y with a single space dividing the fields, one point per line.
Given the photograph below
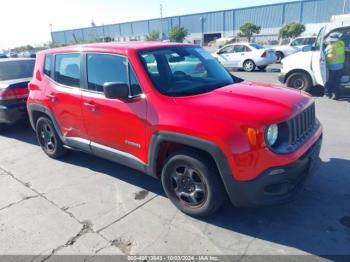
x=116 y=90
x=307 y=48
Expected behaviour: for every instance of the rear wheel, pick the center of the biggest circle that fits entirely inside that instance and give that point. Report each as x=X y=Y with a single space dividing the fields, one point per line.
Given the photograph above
x=48 y=138
x=193 y=184
x=300 y=81
x=249 y=66
x=279 y=56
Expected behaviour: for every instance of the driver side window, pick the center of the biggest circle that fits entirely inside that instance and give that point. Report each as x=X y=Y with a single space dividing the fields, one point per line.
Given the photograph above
x=227 y=50
x=297 y=42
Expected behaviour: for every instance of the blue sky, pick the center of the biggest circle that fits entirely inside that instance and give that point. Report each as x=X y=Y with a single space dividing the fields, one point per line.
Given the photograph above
x=31 y=23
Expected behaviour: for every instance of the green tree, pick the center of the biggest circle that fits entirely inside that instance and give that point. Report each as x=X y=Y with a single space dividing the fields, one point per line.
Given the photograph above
x=291 y=30
x=153 y=35
x=178 y=34
x=248 y=30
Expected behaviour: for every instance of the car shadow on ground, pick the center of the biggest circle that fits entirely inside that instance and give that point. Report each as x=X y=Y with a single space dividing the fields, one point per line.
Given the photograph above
x=21 y=131
x=318 y=222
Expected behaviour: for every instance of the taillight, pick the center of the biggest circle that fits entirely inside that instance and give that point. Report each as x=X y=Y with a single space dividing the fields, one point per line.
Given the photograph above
x=18 y=93
x=264 y=54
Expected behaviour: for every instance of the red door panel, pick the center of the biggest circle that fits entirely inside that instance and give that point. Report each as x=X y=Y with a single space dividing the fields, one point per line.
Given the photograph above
x=115 y=123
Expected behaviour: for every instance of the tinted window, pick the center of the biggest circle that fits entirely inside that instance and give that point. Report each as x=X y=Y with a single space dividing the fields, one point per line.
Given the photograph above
x=319 y=40
x=16 y=69
x=103 y=68
x=67 y=69
x=48 y=65
x=241 y=49
x=150 y=61
x=227 y=50
x=257 y=46
x=186 y=70
x=299 y=41
x=134 y=83
x=310 y=41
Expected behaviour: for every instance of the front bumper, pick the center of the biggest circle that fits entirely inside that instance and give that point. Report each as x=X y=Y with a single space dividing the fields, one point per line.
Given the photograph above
x=10 y=114
x=282 y=78
x=276 y=185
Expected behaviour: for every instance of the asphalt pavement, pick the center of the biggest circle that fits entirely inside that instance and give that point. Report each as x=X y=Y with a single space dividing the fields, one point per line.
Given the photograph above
x=83 y=205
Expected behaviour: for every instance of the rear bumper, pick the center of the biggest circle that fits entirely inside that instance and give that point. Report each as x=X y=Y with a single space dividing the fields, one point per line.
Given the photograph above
x=282 y=78
x=276 y=185
x=265 y=61
x=10 y=114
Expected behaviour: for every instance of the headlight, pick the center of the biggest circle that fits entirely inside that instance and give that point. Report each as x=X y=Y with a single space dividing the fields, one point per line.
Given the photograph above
x=271 y=135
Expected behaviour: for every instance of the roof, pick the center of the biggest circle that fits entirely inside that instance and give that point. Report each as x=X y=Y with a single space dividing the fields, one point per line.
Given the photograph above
x=119 y=47
x=16 y=59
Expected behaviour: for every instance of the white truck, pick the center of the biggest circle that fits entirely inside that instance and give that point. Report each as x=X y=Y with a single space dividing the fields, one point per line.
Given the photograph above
x=296 y=45
x=308 y=69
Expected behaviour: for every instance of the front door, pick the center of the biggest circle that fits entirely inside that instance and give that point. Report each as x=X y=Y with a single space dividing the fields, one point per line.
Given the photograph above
x=319 y=63
x=226 y=56
x=114 y=125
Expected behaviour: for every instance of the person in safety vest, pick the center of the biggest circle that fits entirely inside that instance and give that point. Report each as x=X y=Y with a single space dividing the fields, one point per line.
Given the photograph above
x=335 y=57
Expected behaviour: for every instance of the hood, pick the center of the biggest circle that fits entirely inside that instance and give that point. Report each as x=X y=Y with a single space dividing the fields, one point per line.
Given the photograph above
x=249 y=102
x=297 y=57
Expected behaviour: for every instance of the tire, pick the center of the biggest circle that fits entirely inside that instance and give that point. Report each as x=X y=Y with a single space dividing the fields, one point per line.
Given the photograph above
x=262 y=68
x=299 y=81
x=279 y=56
x=193 y=184
x=48 y=138
x=249 y=66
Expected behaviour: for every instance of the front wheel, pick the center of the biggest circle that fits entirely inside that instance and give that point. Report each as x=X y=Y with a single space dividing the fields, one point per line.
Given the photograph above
x=48 y=138
x=300 y=81
x=193 y=184
x=249 y=66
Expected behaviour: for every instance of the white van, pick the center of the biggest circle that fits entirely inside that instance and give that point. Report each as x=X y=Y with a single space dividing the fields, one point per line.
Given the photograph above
x=308 y=69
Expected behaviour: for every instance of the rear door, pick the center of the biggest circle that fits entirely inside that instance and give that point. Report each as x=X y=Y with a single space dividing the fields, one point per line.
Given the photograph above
x=63 y=97
x=319 y=64
x=241 y=53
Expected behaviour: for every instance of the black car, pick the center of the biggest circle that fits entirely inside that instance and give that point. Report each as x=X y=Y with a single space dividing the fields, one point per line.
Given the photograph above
x=15 y=74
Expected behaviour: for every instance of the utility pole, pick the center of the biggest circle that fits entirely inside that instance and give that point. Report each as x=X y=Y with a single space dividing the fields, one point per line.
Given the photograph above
x=51 y=33
x=344 y=6
x=161 y=22
x=202 y=19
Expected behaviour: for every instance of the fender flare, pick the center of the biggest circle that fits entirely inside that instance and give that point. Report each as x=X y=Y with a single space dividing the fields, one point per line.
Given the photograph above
x=45 y=110
x=198 y=143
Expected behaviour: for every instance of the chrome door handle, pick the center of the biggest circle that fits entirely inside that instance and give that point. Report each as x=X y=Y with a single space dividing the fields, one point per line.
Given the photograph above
x=90 y=106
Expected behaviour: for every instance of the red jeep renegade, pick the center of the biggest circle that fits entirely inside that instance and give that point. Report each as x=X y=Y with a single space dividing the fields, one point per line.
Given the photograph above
x=173 y=112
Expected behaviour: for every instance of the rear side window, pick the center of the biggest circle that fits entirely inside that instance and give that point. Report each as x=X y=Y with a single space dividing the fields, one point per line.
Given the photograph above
x=67 y=69
x=48 y=65
x=103 y=68
x=241 y=49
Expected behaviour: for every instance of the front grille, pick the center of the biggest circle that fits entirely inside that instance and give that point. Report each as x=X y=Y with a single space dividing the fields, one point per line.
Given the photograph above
x=301 y=125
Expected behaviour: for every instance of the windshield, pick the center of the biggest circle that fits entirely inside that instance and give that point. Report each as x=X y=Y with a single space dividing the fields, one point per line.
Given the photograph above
x=16 y=69
x=256 y=46
x=184 y=70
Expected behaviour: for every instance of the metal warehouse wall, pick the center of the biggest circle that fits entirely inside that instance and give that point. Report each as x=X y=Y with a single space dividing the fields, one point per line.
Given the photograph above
x=227 y=22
